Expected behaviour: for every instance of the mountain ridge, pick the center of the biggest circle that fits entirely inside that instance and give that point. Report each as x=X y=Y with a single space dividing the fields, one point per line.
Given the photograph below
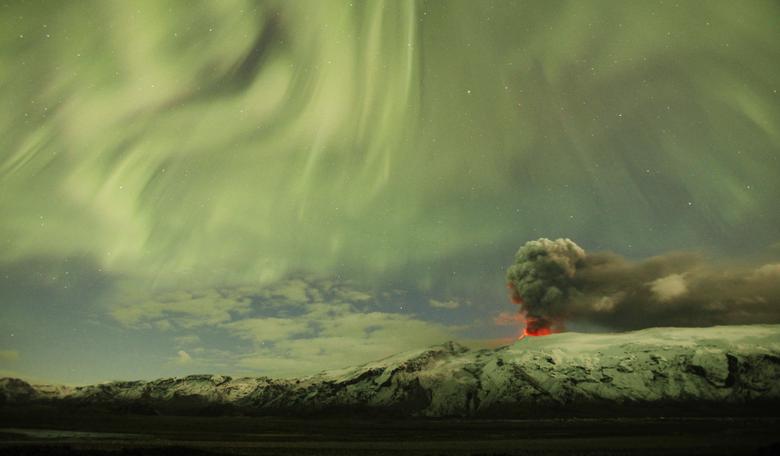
x=724 y=366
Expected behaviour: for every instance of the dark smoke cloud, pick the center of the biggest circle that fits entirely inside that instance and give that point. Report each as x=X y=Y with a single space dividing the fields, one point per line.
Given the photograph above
x=542 y=280
x=557 y=281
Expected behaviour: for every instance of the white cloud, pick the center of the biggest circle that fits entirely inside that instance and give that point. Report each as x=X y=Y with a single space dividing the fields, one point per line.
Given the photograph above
x=182 y=357
x=449 y=304
x=214 y=306
x=669 y=287
x=307 y=356
x=610 y=302
x=352 y=295
x=331 y=335
x=184 y=309
x=269 y=329
x=291 y=327
x=346 y=338
x=768 y=270
x=604 y=304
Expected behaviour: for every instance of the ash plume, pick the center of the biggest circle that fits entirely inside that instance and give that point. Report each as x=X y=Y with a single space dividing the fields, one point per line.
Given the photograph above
x=556 y=281
x=541 y=280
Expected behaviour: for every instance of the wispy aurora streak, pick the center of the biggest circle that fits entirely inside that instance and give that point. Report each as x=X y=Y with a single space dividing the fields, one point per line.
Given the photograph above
x=246 y=139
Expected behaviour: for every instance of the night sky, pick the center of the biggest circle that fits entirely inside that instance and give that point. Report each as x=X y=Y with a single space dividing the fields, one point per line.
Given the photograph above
x=279 y=187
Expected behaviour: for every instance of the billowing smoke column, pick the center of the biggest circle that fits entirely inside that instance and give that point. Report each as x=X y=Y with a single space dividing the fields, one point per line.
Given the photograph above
x=540 y=282
x=556 y=281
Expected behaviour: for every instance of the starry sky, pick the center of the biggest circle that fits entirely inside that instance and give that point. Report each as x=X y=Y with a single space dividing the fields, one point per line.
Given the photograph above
x=279 y=187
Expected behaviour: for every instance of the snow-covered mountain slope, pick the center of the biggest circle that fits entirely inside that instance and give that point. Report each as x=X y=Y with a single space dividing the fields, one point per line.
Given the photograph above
x=726 y=366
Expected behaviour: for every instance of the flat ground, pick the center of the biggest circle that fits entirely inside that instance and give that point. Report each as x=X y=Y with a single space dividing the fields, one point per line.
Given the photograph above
x=26 y=432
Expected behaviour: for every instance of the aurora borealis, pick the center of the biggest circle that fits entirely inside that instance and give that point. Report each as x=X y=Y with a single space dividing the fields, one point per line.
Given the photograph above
x=278 y=187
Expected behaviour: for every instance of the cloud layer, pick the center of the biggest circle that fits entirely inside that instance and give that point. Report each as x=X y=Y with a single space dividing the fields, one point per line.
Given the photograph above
x=290 y=327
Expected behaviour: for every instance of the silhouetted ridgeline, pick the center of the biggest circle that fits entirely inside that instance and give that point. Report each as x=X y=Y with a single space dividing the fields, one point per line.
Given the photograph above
x=665 y=371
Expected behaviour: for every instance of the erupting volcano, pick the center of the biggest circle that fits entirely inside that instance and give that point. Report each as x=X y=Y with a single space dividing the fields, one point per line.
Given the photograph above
x=533 y=328
x=539 y=282
x=537 y=332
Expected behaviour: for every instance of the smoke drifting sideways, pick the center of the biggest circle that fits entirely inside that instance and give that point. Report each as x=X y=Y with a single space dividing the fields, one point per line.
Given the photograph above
x=556 y=281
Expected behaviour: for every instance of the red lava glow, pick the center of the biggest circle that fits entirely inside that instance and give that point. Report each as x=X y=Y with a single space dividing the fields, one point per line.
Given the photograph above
x=537 y=332
x=533 y=327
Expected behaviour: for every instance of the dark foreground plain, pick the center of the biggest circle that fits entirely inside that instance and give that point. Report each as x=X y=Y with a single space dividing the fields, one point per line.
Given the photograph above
x=30 y=432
